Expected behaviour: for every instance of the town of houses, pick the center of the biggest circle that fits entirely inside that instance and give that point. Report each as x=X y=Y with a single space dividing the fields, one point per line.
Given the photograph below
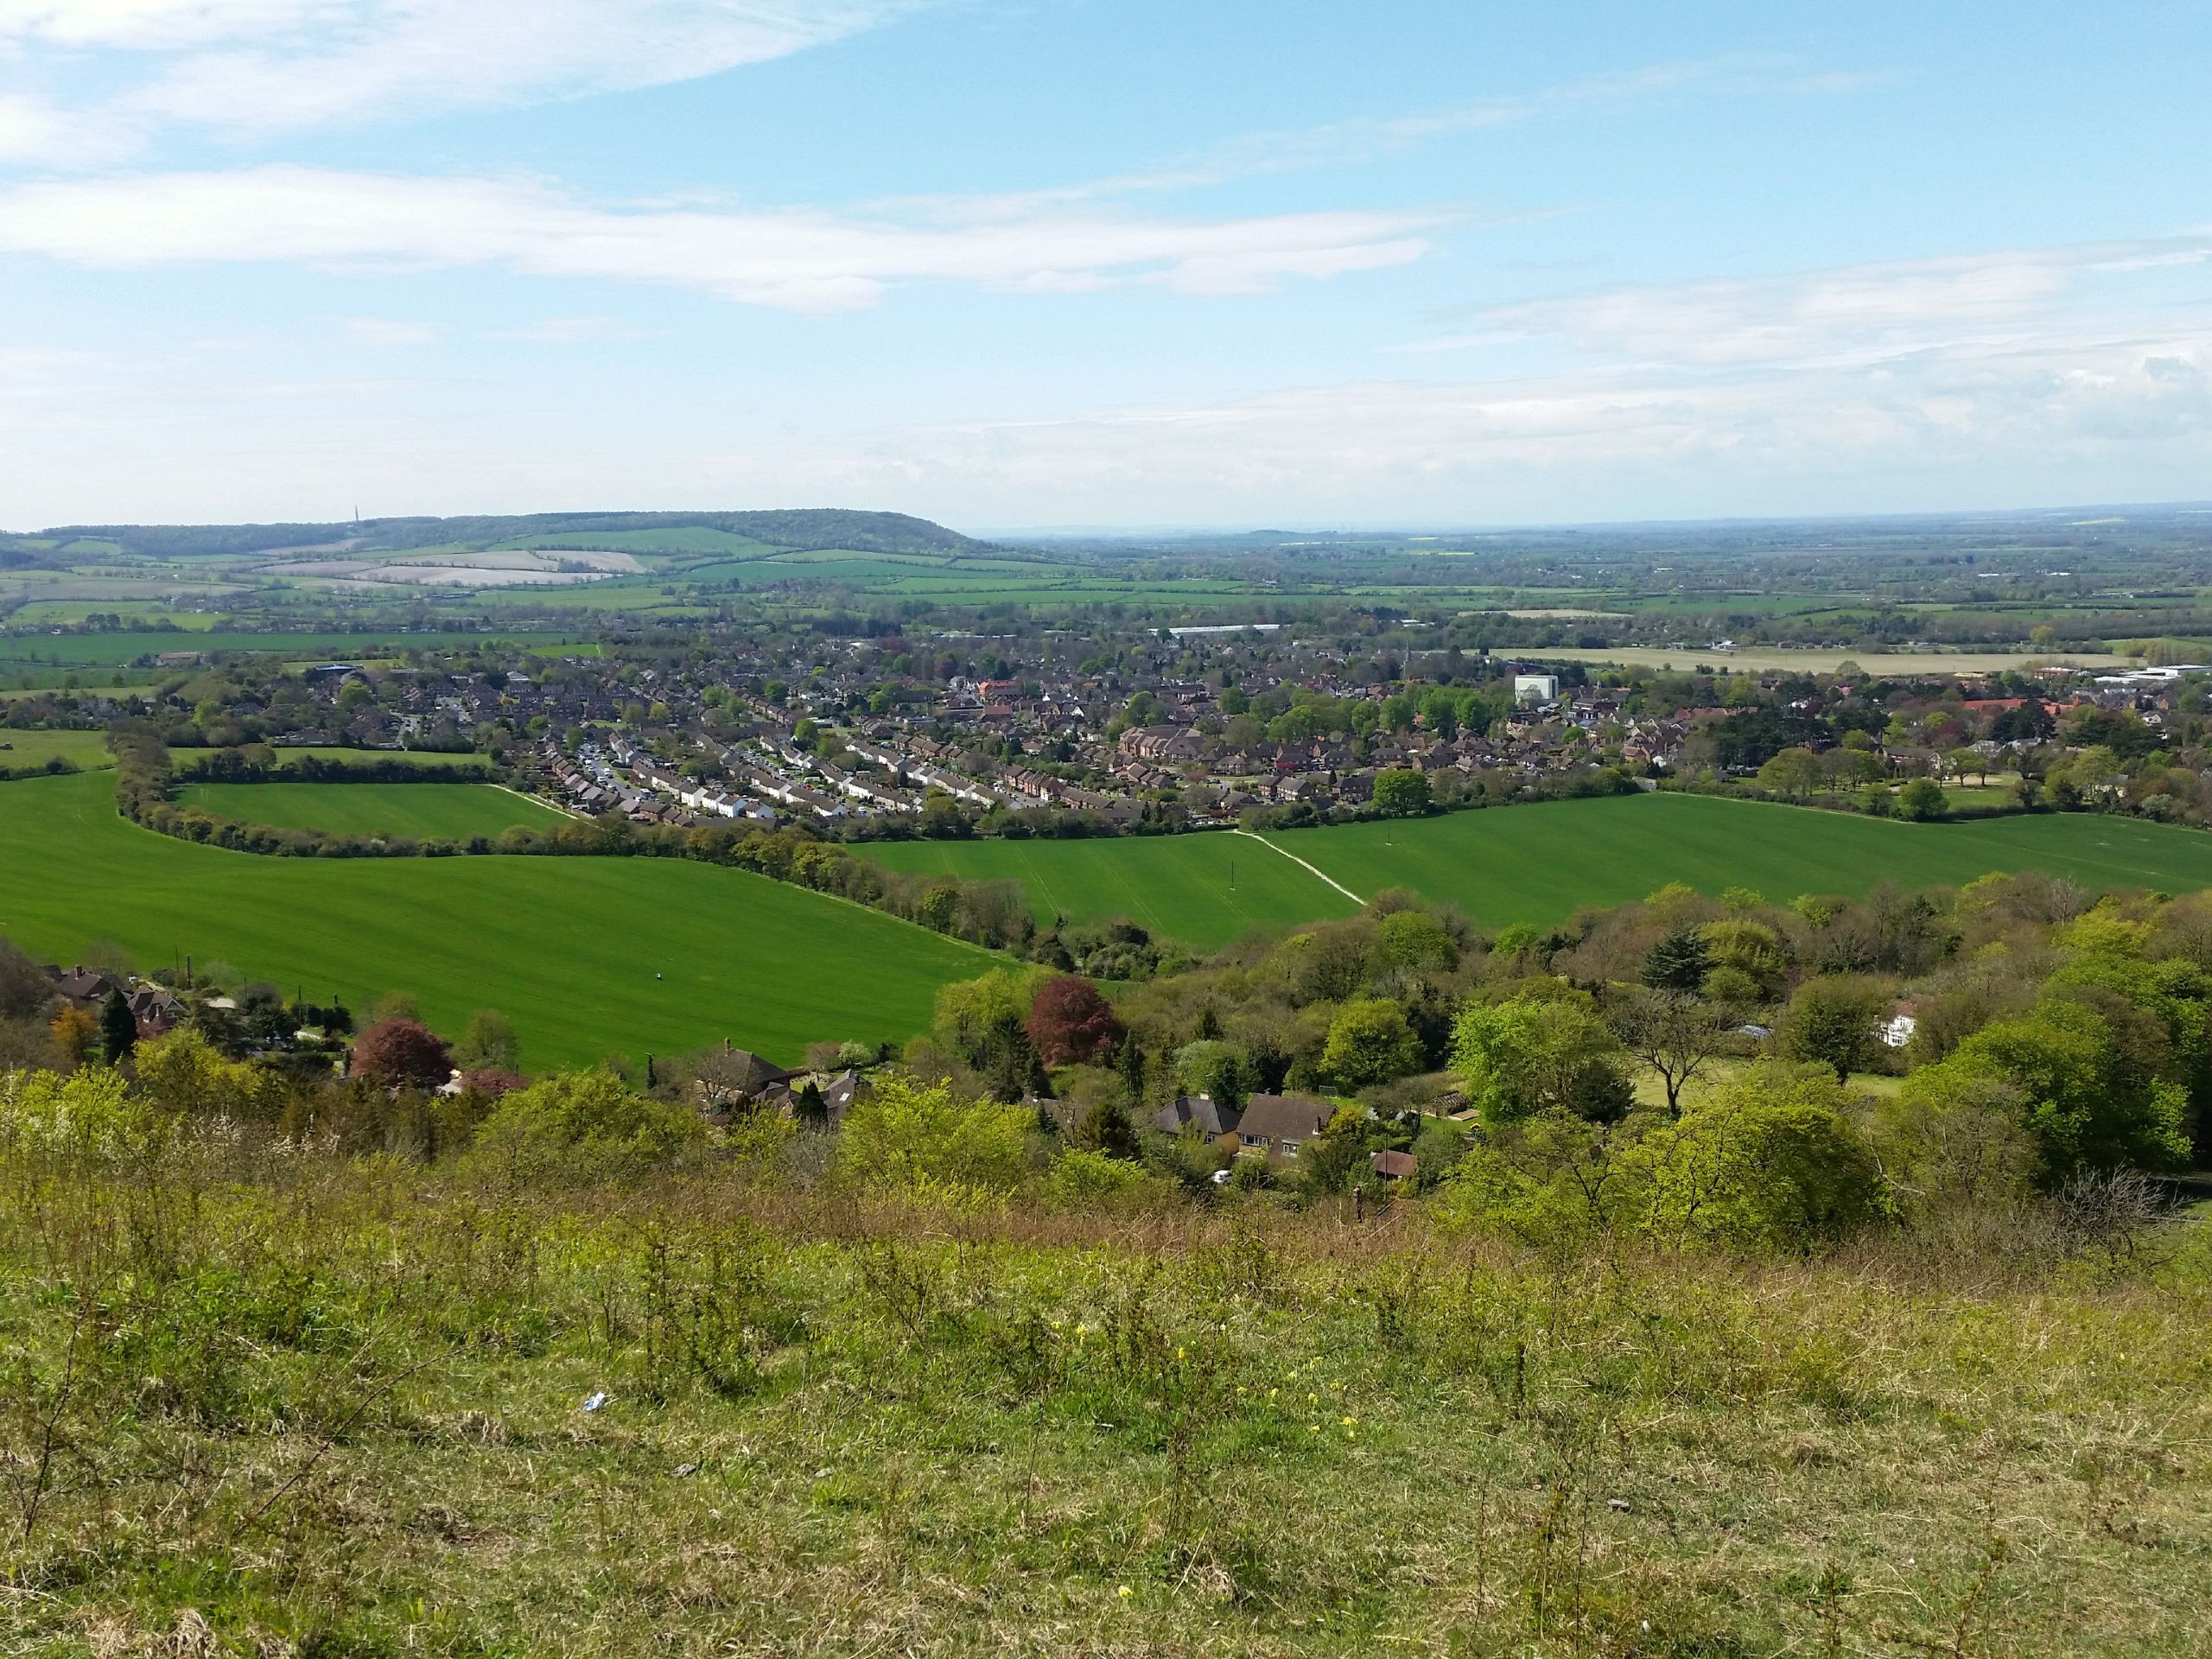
x=886 y=733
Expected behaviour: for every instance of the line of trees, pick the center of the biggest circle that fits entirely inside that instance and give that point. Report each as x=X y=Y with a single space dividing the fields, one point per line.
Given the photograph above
x=240 y=766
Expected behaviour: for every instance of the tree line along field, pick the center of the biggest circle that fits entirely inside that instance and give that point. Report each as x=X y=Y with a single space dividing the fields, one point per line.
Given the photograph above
x=415 y=810
x=590 y=956
x=182 y=758
x=88 y=651
x=1755 y=659
x=1538 y=862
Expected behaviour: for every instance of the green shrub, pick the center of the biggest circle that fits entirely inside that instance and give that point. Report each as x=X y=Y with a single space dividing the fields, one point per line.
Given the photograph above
x=1770 y=1162
x=1369 y=1041
x=1553 y=1180
x=2090 y=1102
x=88 y=1114
x=1083 y=1180
x=1922 y=801
x=583 y=1123
x=1953 y=1140
x=907 y=1133
x=184 y=1074
x=1538 y=1053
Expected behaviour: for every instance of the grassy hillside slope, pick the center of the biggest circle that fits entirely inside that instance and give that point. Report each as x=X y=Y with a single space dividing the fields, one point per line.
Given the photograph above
x=1536 y=863
x=452 y=811
x=830 y=1426
x=569 y=947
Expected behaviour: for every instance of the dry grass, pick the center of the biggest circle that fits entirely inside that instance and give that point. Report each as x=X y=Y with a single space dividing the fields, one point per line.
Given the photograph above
x=292 y=1403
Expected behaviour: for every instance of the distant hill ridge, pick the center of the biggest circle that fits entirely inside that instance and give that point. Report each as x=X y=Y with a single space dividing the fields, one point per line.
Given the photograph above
x=799 y=528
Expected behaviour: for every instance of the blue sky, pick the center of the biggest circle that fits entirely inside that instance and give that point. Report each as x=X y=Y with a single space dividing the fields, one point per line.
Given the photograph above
x=1020 y=263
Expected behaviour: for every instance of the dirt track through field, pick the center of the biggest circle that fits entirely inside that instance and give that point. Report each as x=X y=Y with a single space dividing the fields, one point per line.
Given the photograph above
x=1321 y=875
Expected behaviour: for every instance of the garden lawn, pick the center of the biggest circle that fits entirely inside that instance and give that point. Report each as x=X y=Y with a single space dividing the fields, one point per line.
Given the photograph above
x=590 y=956
x=421 y=811
x=1178 y=886
x=1538 y=862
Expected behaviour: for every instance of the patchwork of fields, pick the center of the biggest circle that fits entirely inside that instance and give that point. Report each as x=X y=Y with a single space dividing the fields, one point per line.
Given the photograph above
x=590 y=956
x=420 y=811
x=1536 y=863
x=598 y=956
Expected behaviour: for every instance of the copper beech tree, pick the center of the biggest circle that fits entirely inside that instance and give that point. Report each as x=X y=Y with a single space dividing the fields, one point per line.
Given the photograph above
x=1069 y=1021
x=402 y=1052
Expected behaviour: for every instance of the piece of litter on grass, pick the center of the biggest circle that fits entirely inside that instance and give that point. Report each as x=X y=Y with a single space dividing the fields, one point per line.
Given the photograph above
x=1620 y=1503
x=822 y=1474
x=596 y=1401
x=683 y=1469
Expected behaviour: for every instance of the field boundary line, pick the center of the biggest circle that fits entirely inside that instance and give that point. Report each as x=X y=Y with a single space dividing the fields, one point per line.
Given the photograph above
x=1295 y=859
x=539 y=800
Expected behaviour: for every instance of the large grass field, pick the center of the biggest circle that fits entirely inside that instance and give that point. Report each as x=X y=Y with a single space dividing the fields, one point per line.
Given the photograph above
x=1178 y=886
x=1536 y=863
x=85 y=749
x=421 y=811
x=588 y=955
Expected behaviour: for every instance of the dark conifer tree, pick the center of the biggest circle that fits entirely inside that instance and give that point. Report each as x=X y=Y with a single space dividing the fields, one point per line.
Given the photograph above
x=119 y=1029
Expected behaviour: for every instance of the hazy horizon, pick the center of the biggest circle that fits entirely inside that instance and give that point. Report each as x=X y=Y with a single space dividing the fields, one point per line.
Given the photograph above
x=1136 y=531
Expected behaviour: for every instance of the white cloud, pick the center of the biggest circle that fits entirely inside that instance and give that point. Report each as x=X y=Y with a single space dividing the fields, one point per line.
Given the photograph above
x=269 y=65
x=155 y=25
x=568 y=331
x=386 y=331
x=2091 y=384
x=2118 y=420
x=1850 y=315
x=33 y=128
x=794 y=260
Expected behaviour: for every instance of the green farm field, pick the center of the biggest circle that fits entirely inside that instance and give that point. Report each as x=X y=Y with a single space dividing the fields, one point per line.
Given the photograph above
x=590 y=956
x=1178 y=886
x=1538 y=863
x=27 y=748
x=421 y=811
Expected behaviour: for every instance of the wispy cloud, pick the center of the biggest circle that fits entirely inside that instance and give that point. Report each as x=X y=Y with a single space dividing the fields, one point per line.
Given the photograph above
x=1917 y=382
x=2131 y=419
x=796 y=261
x=1852 y=315
x=1338 y=144
x=264 y=66
x=2111 y=407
